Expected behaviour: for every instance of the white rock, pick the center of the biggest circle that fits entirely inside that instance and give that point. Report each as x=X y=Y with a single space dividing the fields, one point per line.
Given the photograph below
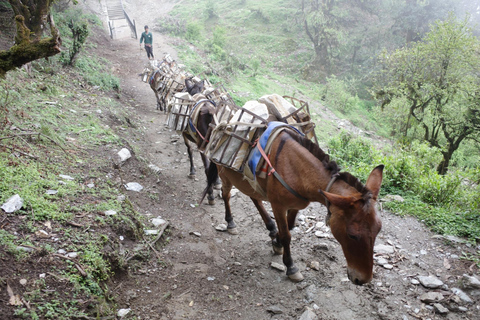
x=66 y=177
x=123 y=312
x=13 y=204
x=23 y=282
x=42 y=275
x=110 y=213
x=315 y=265
x=415 y=281
x=158 y=222
x=150 y=232
x=51 y=192
x=221 y=227
x=388 y=266
x=42 y=234
x=72 y=255
x=278 y=266
x=320 y=234
x=62 y=251
x=381 y=261
x=383 y=249
x=26 y=249
x=154 y=168
x=320 y=225
x=91 y=185
x=431 y=282
x=124 y=154
x=134 y=186
x=198 y=234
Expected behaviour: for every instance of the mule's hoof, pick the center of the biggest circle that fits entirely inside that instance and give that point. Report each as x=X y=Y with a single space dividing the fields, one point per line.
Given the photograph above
x=217 y=186
x=277 y=250
x=232 y=231
x=192 y=176
x=296 y=277
x=211 y=202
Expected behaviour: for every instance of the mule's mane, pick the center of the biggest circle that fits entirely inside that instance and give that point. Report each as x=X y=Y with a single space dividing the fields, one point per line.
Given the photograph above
x=331 y=166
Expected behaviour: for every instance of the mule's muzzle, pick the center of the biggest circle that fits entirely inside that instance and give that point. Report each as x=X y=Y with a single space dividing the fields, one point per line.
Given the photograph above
x=357 y=277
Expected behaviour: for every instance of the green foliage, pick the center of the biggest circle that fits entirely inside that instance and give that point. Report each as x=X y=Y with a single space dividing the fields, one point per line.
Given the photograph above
x=338 y=95
x=73 y=25
x=193 y=32
x=439 y=200
x=210 y=9
x=95 y=73
x=437 y=78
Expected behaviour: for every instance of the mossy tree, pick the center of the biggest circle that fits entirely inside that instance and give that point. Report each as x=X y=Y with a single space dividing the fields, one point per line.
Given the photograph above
x=31 y=19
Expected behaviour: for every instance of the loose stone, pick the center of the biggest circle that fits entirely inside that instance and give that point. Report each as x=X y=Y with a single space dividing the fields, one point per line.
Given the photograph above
x=308 y=314
x=275 y=309
x=440 y=309
x=431 y=297
x=278 y=266
x=431 y=282
x=13 y=204
x=462 y=295
x=470 y=282
x=383 y=249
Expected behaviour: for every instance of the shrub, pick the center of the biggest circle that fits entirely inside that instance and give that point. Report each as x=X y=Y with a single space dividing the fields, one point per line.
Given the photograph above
x=193 y=32
x=338 y=95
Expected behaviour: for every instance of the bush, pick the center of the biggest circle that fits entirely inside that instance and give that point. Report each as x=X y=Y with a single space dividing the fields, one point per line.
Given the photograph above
x=337 y=95
x=193 y=32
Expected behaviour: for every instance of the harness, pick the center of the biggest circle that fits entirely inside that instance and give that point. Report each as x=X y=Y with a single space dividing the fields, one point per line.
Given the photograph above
x=290 y=189
x=190 y=122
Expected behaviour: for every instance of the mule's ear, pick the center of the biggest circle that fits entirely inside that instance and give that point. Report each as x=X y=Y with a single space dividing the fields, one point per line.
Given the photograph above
x=339 y=201
x=374 y=181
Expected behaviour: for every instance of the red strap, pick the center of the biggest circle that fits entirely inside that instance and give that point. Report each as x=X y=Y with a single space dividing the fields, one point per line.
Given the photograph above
x=262 y=152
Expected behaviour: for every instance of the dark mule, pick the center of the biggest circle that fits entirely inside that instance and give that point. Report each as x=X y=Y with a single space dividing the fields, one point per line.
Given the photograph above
x=308 y=172
x=193 y=87
x=197 y=129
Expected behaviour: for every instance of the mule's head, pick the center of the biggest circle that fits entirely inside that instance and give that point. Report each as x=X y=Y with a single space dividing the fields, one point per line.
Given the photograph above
x=355 y=224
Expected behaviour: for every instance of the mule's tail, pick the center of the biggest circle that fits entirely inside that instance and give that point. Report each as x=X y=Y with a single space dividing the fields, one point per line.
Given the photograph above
x=212 y=176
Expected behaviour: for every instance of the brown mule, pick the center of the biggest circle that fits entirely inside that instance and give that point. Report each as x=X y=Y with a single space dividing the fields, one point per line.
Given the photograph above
x=307 y=171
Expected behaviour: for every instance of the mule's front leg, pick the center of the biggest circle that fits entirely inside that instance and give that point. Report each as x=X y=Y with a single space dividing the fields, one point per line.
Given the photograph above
x=193 y=172
x=271 y=226
x=231 y=226
x=284 y=238
x=210 y=195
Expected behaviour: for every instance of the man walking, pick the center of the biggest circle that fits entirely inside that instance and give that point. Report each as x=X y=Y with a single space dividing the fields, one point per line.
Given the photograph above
x=147 y=36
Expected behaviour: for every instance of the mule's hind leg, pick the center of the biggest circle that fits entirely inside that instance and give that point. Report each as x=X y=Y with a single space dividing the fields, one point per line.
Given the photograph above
x=291 y=216
x=159 y=104
x=190 y=156
x=284 y=236
x=206 y=164
x=271 y=226
x=231 y=226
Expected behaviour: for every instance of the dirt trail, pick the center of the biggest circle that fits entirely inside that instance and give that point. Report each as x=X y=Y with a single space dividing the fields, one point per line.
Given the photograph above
x=221 y=276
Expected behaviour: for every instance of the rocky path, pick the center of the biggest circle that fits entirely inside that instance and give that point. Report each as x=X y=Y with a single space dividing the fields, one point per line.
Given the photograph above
x=202 y=273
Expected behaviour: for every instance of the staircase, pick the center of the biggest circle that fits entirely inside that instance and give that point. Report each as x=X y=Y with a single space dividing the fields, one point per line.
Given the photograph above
x=117 y=22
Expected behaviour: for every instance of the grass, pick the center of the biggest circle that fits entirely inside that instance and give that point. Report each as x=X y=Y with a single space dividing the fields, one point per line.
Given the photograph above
x=59 y=106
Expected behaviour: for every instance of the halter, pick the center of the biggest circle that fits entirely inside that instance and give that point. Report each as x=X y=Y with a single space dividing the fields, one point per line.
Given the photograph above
x=327 y=203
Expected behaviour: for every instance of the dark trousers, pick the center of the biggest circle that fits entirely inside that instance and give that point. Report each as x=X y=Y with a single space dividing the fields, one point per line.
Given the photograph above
x=149 y=50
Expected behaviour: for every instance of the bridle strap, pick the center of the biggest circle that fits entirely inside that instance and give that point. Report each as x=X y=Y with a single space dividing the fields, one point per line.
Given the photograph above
x=327 y=203
x=276 y=175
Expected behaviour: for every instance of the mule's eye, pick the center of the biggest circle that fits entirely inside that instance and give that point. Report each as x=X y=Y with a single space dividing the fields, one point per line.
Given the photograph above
x=353 y=237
